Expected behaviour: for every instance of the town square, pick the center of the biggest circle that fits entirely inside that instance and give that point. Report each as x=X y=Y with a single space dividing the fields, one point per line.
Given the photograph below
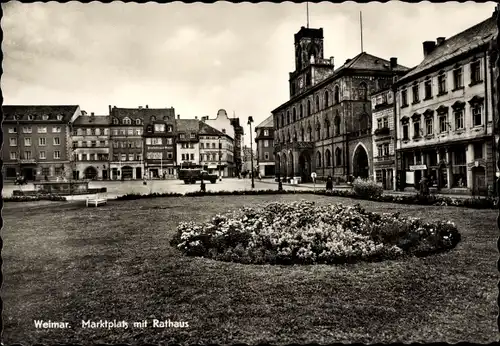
x=250 y=173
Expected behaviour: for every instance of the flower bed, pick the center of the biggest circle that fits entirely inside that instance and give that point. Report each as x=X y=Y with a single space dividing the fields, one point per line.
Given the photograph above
x=34 y=198
x=304 y=233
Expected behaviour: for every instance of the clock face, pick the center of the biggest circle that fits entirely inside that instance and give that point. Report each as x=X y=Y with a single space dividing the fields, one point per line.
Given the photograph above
x=301 y=82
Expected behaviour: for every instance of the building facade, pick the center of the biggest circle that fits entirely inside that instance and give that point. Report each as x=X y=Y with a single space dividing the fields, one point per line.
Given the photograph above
x=216 y=151
x=264 y=140
x=126 y=143
x=325 y=127
x=37 y=141
x=445 y=114
x=238 y=140
x=247 y=160
x=384 y=138
x=187 y=143
x=90 y=144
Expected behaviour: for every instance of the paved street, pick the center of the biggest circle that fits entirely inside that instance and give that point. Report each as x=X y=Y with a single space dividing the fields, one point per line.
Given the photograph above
x=118 y=188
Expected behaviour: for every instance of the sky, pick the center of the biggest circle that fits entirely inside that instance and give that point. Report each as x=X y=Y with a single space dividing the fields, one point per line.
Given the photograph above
x=199 y=58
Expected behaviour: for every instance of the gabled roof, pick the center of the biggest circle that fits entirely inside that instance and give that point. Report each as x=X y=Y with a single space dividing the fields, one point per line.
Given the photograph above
x=269 y=122
x=187 y=125
x=86 y=120
x=9 y=111
x=144 y=114
x=209 y=130
x=474 y=37
x=365 y=61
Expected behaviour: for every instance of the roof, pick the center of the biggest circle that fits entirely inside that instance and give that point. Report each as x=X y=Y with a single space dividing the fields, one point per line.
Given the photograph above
x=366 y=61
x=474 y=37
x=269 y=122
x=144 y=114
x=9 y=111
x=84 y=120
x=187 y=125
x=206 y=129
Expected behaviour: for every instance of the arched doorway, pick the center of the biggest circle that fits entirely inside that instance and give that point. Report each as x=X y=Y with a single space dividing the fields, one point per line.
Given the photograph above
x=126 y=172
x=479 y=180
x=90 y=173
x=305 y=167
x=360 y=163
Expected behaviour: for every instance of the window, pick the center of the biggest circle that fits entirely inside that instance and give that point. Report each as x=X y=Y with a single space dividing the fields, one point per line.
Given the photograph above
x=159 y=127
x=27 y=142
x=192 y=157
x=45 y=171
x=138 y=157
x=386 y=149
x=442 y=84
x=266 y=143
x=131 y=157
x=326 y=99
x=169 y=156
x=42 y=129
x=428 y=89
x=137 y=121
x=27 y=155
x=27 y=129
x=415 y=90
x=123 y=157
x=380 y=151
x=363 y=92
x=115 y=132
x=130 y=132
x=475 y=72
x=457 y=78
x=57 y=141
x=115 y=121
x=13 y=130
x=266 y=132
x=42 y=141
x=183 y=157
x=336 y=94
x=115 y=144
x=45 y=117
x=169 y=129
x=443 y=123
x=126 y=121
x=193 y=135
x=385 y=122
x=57 y=154
x=169 y=141
x=13 y=155
x=416 y=129
x=338 y=156
x=478 y=151
x=294 y=115
x=309 y=110
x=328 y=158
x=102 y=143
x=337 y=125
x=379 y=123
x=459 y=119
x=317 y=103
x=266 y=156
x=327 y=128
x=138 y=132
x=42 y=155
x=406 y=134
x=318 y=159
x=429 y=126
x=404 y=98
x=30 y=117
x=476 y=116
x=156 y=141
x=59 y=117
x=13 y=142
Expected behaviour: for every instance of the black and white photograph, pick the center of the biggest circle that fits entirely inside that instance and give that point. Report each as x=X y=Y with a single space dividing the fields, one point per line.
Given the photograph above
x=250 y=173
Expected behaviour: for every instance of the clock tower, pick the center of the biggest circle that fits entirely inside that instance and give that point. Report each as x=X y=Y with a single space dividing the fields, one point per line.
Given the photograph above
x=308 y=59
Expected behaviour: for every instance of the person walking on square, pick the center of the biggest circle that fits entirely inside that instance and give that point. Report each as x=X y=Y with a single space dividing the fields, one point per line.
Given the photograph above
x=329 y=183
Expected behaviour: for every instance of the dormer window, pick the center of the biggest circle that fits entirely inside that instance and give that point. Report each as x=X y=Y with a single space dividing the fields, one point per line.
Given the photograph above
x=137 y=121
x=126 y=121
x=45 y=117
x=169 y=128
x=59 y=117
x=115 y=121
x=182 y=136
x=153 y=118
x=165 y=118
x=30 y=117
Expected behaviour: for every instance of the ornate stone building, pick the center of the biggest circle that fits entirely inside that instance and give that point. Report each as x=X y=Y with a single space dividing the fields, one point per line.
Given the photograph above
x=264 y=141
x=445 y=113
x=325 y=127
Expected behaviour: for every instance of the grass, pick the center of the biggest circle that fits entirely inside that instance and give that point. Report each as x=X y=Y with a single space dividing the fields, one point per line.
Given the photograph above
x=65 y=262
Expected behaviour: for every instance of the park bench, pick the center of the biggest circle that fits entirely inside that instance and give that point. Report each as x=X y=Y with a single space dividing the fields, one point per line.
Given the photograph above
x=97 y=199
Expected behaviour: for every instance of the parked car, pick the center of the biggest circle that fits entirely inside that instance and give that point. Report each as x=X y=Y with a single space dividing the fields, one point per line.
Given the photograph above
x=191 y=176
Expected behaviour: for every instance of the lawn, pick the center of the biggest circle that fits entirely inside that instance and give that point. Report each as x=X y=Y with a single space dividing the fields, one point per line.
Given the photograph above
x=65 y=262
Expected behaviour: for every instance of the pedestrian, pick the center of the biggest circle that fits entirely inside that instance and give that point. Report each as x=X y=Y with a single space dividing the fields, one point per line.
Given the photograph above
x=329 y=183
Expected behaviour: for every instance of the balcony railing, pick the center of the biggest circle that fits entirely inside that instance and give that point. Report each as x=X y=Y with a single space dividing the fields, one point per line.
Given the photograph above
x=384 y=131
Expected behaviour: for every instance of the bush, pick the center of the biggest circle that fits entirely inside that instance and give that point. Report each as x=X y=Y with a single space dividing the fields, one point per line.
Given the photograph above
x=367 y=188
x=32 y=198
x=303 y=233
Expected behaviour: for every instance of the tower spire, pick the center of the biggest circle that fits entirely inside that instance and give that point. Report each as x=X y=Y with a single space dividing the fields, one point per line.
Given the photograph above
x=307 y=9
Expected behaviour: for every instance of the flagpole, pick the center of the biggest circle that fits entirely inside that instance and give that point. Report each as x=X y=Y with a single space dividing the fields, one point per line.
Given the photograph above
x=307 y=8
x=361 y=31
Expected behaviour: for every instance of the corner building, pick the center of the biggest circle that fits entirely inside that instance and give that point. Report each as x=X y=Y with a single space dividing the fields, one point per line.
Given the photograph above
x=446 y=113
x=325 y=126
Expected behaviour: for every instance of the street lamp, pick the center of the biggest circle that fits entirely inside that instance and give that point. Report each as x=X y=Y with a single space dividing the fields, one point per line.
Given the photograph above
x=250 y=121
x=220 y=176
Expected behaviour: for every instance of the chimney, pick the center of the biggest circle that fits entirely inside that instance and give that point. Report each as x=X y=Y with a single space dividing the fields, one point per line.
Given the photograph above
x=178 y=116
x=332 y=61
x=196 y=117
x=394 y=63
x=348 y=61
x=429 y=46
x=92 y=114
x=147 y=106
x=109 y=109
x=440 y=40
